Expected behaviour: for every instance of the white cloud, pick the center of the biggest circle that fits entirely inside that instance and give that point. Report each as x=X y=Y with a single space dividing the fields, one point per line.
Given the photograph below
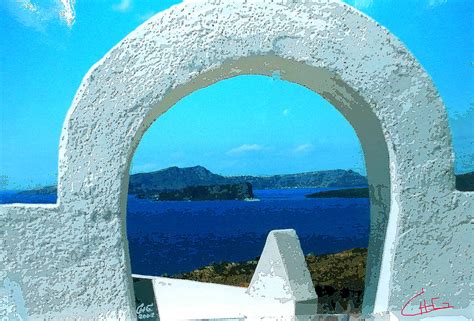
x=144 y=168
x=246 y=148
x=436 y=3
x=31 y=14
x=30 y=6
x=145 y=16
x=68 y=13
x=286 y=112
x=303 y=148
x=363 y=3
x=123 y=6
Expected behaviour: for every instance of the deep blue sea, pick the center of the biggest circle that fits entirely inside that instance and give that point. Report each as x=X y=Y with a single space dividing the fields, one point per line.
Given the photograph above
x=172 y=237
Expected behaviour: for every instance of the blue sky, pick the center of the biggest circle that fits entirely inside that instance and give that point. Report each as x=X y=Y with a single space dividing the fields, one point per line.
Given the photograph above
x=245 y=125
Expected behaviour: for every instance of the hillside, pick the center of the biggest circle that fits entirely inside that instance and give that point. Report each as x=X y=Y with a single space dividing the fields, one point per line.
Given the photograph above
x=343 y=193
x=337 y=278
x=329 y=178
x=177 y=178
x=174 y=178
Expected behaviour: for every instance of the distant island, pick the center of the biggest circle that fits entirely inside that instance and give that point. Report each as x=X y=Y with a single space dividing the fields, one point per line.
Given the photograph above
x=343 y=193
x=240 y=191
x=177 y=181
x=174 y=180
x=47 y=190
x=464 y=182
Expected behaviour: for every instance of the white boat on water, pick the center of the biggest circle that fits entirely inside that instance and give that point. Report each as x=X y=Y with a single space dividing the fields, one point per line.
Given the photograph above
x=251 y=200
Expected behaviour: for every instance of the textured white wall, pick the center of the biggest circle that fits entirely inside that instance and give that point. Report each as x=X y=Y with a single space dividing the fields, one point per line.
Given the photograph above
x=71 y=259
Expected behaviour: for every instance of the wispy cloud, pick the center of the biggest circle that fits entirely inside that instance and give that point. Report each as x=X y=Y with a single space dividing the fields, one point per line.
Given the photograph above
x=31 y=14
x=123 y=5
x=29 y=6
x=147 y=15
x=363 y=3
x=436 y=3
x=286 y=112
x=366 y=4
x=68 y=13
x=246 y=148
x=143 y=168
x=303 y=148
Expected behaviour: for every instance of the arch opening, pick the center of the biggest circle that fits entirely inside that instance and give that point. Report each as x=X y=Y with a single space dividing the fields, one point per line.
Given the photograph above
x=346 y=100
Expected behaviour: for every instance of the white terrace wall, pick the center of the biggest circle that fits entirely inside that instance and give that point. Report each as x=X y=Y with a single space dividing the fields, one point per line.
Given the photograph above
x=71 y=259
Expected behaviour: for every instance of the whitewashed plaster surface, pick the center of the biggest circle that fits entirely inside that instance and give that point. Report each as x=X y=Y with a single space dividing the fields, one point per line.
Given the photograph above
x=71 y=259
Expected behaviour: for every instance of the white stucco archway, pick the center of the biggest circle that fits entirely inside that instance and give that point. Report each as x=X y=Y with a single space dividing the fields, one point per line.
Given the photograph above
x=77 y=249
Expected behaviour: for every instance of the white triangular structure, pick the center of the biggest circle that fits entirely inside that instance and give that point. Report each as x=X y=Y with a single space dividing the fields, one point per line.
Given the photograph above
x=282 y=273
x=281 y=289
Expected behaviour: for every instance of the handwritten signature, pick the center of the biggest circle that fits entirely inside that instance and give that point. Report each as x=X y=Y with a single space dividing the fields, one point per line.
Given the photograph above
x=145 y=311
x=424 y=307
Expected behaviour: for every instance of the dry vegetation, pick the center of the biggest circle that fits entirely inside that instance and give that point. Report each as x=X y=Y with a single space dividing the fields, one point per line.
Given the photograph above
x=338 y=278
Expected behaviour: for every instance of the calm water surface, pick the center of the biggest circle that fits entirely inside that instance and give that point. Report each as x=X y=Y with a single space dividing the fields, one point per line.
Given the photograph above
x=171 y=237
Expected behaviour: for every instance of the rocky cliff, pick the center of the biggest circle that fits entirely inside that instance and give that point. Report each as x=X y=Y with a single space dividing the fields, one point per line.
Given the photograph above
x=240 y=191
